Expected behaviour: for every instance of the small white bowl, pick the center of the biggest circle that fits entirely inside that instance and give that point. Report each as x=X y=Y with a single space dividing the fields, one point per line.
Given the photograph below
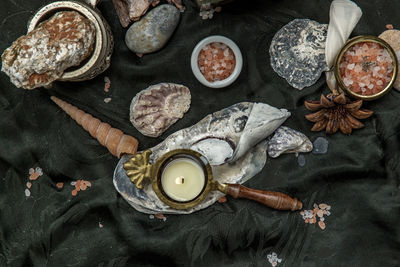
x=195 y=65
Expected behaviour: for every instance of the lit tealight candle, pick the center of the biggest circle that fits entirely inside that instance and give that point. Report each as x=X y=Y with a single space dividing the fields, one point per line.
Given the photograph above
x=183 y=179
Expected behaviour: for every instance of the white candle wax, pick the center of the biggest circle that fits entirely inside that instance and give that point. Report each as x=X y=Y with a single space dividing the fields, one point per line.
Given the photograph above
x=182 y=179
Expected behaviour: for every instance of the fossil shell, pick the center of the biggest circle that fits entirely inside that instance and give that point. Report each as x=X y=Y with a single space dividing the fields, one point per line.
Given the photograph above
x=156 y=108
x=40 y=57
x=287 y=140
x=297 y=52
x=236 y=133
x=113 y=139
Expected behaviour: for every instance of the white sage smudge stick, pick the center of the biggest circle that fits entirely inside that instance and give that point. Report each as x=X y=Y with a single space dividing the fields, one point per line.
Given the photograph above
x=344 y=16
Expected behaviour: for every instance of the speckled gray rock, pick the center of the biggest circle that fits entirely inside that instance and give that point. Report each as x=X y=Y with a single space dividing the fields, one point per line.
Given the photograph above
x=153 y=31
x=297 y=52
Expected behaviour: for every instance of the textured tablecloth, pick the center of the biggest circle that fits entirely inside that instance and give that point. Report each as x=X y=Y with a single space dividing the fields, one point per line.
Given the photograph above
x=358 y=177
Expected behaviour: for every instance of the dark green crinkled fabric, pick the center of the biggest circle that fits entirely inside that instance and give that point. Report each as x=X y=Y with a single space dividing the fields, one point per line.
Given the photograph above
x=358 y=177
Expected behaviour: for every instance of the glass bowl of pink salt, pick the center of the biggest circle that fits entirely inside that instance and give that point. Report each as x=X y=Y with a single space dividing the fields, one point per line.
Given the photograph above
x=216 y=61
x=366 y=67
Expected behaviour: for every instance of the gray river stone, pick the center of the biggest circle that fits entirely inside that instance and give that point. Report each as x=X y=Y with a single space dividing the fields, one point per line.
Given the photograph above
x=153 y=31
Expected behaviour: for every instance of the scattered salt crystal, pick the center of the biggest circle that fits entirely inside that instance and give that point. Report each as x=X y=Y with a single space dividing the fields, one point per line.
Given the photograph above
x=27 y=192
x=29 y=184
x=107 y=99
x=39 y=171
x=370 y=86
x=389 y=26
x=151 y=216
x=379 y=82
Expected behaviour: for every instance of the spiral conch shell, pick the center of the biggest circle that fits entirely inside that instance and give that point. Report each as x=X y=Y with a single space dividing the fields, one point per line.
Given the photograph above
x=113 y=139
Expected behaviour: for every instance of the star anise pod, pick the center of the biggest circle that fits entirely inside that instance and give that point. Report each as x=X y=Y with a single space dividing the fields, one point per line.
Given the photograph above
x=336 y=112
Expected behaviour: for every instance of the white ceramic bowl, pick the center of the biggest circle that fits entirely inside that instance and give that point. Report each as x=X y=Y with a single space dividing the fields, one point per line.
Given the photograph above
x=195 y=66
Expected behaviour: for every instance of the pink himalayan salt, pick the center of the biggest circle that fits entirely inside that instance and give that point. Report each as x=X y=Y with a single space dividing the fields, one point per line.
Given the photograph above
x=216 y=61
x=366 y=68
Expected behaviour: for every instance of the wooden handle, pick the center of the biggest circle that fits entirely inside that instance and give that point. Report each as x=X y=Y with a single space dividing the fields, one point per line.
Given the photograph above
x=275 y=200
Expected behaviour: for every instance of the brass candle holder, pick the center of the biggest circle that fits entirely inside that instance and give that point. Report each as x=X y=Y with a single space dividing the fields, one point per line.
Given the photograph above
x=361 y=39
x=139 y=169
x=100 y=58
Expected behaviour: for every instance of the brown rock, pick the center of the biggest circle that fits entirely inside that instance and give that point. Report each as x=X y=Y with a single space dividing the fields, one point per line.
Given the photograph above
x=40 y=57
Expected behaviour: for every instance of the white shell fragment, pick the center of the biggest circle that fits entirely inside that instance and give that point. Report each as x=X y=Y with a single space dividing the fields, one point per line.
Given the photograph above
x=217 y=150
x=297 y=52
x=287 y=140
x=343 y=17
x=156 y=108
x=238 y=134
x=41 y=57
